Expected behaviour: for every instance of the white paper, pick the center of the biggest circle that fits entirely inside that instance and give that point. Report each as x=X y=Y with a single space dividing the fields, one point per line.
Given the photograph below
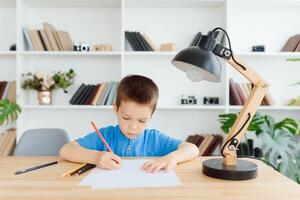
x=130 y=175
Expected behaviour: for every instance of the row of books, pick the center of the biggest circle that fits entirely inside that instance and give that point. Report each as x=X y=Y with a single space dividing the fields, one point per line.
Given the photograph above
x=8 y=90
x=138 y=42
x=292 y=44
x=47 y=39
x=247 y=149
x=207 y=143
x=7 y=142
x=239 y=93
x=217 y=35
x=99 y=94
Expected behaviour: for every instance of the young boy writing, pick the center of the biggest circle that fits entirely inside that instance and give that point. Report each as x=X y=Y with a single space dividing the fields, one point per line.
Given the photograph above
x=135 y=103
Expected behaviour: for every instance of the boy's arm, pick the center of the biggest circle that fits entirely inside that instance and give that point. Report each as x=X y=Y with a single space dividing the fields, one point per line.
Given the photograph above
x=75 y=153
x=186 y=151
x=103 y=159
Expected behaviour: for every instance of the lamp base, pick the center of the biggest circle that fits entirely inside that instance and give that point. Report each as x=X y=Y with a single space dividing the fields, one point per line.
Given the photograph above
x=242 y=171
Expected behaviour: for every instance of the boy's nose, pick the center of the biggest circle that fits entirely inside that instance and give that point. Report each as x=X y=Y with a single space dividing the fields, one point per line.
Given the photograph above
x=132 y=126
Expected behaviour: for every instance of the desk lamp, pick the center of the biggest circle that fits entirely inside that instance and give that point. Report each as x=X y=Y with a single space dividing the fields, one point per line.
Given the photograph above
x=201 y=63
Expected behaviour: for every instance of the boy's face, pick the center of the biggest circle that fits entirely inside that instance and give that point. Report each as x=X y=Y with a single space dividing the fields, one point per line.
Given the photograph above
x=133 y=118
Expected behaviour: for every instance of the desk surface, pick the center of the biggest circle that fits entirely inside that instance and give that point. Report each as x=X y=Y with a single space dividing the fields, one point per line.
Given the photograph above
x=46 y=184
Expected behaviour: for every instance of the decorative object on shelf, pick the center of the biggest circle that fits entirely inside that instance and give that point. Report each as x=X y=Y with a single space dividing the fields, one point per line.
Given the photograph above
x=295 y=101
x=211 y=100
x=258 y=48
x=278 y=141
x=81 y=46
x=102 y=47
x=188 y=100
x=9 y=111
x=13 y=47
x=201 y=63
x=45 y=83
x=168 y=47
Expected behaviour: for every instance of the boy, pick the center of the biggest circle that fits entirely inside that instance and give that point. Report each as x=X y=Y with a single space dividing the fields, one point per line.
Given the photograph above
x=135 y=103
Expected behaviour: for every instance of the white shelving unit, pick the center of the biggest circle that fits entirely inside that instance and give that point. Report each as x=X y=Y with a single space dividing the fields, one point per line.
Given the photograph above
x=248 y=23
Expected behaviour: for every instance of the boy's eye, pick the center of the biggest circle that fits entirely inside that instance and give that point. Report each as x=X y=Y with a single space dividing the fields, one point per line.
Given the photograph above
x=142 y=121
x=126 y=118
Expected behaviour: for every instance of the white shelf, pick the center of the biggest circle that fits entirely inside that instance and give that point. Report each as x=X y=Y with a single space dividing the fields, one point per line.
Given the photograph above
x=87 y=107
x=267 y=55
x=271 y=108
x=149 y=53
x=8 y=53
x=69 y=53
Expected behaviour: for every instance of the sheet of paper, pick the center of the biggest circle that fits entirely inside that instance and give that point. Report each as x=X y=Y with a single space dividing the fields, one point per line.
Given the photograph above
x=129 y=175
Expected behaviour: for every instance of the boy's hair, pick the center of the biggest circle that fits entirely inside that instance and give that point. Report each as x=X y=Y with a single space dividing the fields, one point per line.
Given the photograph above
x=139 y=89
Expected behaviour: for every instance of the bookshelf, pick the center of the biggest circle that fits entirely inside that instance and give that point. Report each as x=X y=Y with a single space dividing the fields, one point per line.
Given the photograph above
x=176 y=21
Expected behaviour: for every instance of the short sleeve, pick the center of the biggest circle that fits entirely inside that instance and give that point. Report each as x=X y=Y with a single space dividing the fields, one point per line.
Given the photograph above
x=167 y=144
x=92 y=141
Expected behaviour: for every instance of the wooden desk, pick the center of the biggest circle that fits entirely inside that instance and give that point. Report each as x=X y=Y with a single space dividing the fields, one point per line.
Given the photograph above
x=44 y=184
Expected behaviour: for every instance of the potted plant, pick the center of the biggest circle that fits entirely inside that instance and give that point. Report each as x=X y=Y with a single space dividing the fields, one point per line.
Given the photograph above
x=45 y=83
x=278 y=141
x=9 y=111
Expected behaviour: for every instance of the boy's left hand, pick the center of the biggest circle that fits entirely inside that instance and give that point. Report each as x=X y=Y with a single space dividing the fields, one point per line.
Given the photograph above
x=165 y=163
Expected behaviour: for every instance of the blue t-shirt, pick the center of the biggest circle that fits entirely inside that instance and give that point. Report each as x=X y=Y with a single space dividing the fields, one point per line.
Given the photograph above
x=149 y=143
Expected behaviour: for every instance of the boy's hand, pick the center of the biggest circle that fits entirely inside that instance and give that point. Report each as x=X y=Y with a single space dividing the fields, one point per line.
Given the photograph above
x=108 y=160
x=165 y=163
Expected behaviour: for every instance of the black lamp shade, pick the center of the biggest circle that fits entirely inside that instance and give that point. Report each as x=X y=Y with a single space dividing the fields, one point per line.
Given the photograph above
x=198 y=64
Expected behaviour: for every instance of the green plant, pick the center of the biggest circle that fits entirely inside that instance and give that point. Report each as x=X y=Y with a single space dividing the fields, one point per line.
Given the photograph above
x=295 y=101
x=9 y=111
x=42 y=81
x=279 y=145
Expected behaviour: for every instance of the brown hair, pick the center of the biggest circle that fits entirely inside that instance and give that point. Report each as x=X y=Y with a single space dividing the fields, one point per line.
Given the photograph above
x=139 y=89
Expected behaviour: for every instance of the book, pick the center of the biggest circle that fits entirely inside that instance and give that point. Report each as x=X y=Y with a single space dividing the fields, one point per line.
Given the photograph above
x=91 y=94
x=150 y=42
x=291 y=43
x=111 y=94
x=98 y=94
x=240 y=93
x=49 y=32
x=82 y=95
x=234 y=96
x=131 y=41
x=11 y=96
x=87 y=94
x=102 y=93
x=57 y=39
x=66 y=40
x=28 y=41
x=42 y=41
x=45 y=40
x=37 y=40
x=2 y=88
x=6 y=90
x=105 y=95
x=76 y=94
x=148 y=47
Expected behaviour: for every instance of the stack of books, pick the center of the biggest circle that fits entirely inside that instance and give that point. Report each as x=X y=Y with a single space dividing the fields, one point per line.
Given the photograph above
x=239 y=93
x=139 y=42
x=292 y=44
x=99 y=94
x=247 y=149
x=47 y=39
x=8 y=90
x=7 y=142
x=207 y=143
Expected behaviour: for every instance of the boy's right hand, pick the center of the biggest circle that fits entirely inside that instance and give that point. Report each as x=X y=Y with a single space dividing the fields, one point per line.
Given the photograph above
x=108 y=160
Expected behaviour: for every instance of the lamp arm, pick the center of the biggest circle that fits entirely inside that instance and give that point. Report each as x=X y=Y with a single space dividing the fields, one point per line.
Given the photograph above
x=244 y=118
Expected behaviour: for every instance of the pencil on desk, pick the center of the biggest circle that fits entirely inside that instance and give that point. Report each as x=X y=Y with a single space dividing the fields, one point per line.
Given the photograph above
x=73 y=171
x=85 y=169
